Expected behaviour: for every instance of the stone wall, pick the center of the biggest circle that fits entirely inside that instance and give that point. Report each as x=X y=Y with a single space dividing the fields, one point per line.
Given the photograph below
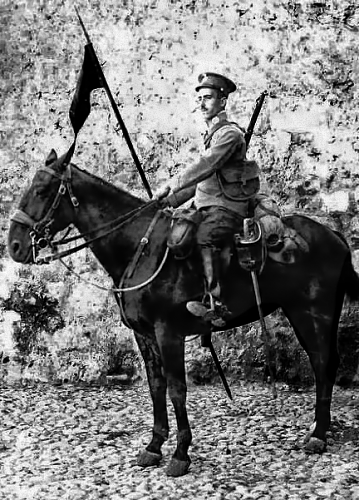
x=306 y=140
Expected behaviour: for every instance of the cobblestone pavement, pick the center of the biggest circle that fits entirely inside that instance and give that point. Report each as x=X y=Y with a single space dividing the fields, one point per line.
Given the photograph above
x=81 y=443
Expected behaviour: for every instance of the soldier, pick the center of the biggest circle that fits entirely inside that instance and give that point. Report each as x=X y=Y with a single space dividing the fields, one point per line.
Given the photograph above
x=222 y=183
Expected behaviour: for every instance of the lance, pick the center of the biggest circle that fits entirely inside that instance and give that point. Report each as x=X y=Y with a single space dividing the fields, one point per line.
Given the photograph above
x=115 y=108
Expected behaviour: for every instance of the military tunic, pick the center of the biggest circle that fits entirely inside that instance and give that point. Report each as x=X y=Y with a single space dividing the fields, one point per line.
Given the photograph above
x=218 y=182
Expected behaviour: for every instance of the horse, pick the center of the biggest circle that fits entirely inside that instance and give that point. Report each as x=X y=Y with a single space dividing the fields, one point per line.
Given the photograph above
x=129 y=238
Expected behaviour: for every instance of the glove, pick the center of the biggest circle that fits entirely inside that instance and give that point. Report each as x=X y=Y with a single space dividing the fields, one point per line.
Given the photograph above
x=171 y=201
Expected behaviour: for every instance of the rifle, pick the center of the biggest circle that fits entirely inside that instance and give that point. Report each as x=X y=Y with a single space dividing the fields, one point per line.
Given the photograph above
x=253 y=120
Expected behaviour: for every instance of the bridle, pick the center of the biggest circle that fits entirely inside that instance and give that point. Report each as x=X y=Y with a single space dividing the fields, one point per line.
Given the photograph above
x=40 y=231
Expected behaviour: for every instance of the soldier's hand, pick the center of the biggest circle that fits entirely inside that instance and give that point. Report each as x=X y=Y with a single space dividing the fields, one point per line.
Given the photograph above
x=162 y=193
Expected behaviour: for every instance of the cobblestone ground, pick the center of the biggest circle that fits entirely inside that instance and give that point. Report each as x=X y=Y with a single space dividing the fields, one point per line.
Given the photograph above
x=78 y=443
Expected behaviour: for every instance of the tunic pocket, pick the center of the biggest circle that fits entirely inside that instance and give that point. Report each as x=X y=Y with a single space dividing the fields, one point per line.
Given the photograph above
x=238 y=190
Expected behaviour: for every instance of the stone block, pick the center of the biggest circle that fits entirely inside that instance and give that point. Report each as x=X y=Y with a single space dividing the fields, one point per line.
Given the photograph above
x=336 y=202
x=355 y=260
x=9 y=321
x=354 y=230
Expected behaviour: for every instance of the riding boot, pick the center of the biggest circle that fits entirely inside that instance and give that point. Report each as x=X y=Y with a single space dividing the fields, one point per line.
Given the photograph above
x=211 y=308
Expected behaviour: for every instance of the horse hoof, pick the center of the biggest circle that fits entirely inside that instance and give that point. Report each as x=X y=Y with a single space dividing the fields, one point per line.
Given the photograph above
x=177 y=468
x=315 y=445
x=148 y=459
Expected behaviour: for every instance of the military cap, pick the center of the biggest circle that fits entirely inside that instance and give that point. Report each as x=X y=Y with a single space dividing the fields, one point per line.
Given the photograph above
x=216 y=81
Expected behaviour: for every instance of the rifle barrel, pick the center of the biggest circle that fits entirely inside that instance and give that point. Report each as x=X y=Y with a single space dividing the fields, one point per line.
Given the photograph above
x=254 y=117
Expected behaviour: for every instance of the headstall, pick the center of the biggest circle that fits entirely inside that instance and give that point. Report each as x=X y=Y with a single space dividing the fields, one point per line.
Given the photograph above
x=40 y=231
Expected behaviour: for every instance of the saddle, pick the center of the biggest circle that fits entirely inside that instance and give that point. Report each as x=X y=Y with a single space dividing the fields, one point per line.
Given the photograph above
x=262 y=236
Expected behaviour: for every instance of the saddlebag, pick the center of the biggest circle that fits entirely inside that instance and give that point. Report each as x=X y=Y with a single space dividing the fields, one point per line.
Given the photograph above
x=183 y=230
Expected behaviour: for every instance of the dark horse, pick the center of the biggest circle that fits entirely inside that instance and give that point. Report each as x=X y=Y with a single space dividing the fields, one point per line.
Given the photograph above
x=128 y=236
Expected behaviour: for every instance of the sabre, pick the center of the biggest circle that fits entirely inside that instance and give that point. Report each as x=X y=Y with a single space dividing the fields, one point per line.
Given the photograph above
x=220 y=371
x=248 y=136
x=206 y=341
x=265 y=333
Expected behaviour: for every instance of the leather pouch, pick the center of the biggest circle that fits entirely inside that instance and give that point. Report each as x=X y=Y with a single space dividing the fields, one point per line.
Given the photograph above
x=183 y=231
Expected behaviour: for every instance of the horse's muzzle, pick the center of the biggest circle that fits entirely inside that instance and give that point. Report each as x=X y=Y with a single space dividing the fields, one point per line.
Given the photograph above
x=19 y=253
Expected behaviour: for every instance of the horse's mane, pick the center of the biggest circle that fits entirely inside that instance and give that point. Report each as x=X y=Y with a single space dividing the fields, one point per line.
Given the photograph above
x=116 y=191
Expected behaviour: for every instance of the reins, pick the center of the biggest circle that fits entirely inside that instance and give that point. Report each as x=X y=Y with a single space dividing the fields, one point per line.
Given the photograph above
x=130 y=268
x=118 y=221
x=118 y=224
x=122 y=289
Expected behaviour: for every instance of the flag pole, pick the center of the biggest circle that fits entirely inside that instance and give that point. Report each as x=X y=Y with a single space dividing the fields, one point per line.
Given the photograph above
x=115 y=109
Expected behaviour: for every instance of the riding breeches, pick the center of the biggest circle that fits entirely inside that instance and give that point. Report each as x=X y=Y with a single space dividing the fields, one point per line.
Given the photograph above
x=217 y=227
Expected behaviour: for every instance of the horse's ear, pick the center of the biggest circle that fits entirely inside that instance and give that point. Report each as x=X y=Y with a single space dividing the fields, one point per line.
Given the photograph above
x=51 y=158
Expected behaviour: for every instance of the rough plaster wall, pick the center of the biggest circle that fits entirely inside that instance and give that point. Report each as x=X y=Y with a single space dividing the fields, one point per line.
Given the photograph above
x=304 y=53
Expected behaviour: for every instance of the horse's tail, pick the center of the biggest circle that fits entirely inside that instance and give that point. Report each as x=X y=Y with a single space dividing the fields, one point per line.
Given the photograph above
x=350 y=279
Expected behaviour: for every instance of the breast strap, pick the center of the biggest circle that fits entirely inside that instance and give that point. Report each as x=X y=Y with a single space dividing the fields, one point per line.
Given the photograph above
x=130 y=269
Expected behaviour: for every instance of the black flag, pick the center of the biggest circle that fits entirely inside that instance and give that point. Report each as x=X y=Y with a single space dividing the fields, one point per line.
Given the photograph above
x=89 y=79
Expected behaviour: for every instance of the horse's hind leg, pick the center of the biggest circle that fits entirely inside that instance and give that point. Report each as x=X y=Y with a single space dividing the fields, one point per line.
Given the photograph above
x=171 y=344
x=158 y=385
x=316 y=328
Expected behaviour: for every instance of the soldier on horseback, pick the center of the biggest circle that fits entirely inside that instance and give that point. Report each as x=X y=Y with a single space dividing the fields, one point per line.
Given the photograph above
x=222 y=183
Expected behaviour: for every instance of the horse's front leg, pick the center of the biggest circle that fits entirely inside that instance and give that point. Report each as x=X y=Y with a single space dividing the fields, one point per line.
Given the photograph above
x=171 y=345
x=158 y=385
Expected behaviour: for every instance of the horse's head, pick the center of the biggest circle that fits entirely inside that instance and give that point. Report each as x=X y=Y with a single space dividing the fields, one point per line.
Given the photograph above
x=44 y=210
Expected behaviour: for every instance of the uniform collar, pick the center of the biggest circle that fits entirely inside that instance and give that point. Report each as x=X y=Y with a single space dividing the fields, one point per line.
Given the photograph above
x=222 y=116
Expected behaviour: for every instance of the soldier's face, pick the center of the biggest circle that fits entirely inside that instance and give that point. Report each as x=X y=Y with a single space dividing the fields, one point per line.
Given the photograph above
x=209 y=103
